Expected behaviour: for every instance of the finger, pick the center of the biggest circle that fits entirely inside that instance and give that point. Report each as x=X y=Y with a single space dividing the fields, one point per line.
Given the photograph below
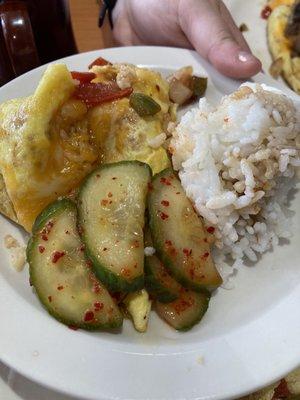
x=213 y=38
x=233 y=28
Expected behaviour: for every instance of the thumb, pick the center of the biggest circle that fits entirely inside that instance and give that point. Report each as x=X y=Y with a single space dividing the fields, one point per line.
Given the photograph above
x=215 y=37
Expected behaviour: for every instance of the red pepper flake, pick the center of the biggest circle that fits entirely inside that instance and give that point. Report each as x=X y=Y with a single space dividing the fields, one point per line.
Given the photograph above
x=104 y=202
x=150 y=186
x=192 y=273
x=109 y=194
x=135 y=244
x=96 y=288
x=125 y=272
x=56 y=255
x=282 y=391
x=46 y=230
x=113 y=178
x=210 y=229
x=110 y=202
x=82 y=247
x=60 y=287
x=266 y=12
x=49 y=225
x=168 y=242
x=100 y=61
x=49 y=299
x=89 y=263
x=163 y=215
x=41 y=248
x=177 y=193
x=98 y=306
x=88 y=316
x=182 y=305
x=205 y=255
x=104 y=249
x=83 y=76
x=165 y=203
x=187 y=252
x=73 y=327
x=165 y=181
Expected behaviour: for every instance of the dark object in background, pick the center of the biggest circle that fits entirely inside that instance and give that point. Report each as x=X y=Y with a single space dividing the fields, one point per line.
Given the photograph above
x=32 y=33
x=292 y=30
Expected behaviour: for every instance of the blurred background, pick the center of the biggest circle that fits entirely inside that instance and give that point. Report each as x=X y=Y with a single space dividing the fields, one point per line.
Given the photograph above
x=84 y=19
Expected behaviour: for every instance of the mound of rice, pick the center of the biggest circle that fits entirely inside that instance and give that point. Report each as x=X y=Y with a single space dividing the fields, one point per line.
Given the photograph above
x=237 y=162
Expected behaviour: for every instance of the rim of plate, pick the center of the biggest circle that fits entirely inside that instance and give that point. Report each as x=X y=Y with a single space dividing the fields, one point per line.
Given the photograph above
x=82 y=365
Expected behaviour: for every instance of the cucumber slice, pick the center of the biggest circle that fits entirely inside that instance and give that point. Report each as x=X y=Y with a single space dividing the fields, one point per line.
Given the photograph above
x=185 y=312
x=159 y=282
x=157 y=279
x=61 y=276
x=179 y=238
x=111 y=215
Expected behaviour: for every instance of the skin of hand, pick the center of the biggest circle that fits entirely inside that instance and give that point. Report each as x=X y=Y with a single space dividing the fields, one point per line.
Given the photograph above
x=203 y=25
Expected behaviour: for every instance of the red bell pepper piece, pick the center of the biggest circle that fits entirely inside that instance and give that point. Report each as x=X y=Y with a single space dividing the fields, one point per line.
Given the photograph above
x=99 y=61
x=97 y=93
x=83 y=77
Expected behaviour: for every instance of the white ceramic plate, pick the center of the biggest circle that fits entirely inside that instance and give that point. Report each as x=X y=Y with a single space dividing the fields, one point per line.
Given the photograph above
x=249 y=337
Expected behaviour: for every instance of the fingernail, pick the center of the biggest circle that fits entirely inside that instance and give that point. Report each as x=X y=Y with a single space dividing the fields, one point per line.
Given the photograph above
x=244 y=56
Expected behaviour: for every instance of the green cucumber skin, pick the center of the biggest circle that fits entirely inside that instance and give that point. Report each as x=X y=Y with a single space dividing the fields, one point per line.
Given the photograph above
x=45 y=215
x=108 y=165
x=50 y=210
x=197 y=319
x=162 y=255
x=160 y=292
x=113 y=282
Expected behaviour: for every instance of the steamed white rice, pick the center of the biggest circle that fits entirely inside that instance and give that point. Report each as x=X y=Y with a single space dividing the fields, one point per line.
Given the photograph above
x=237 y=163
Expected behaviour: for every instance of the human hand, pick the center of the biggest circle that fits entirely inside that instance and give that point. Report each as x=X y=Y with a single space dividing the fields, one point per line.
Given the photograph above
x=205 y=25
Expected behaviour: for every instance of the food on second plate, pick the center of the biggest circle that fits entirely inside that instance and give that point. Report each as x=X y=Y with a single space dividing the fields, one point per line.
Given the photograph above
x=61 y=275
x=287 y=388
x=178 y=234
x=112 y=204
x=237 y=162
x=184 y=312
x=284 y=40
